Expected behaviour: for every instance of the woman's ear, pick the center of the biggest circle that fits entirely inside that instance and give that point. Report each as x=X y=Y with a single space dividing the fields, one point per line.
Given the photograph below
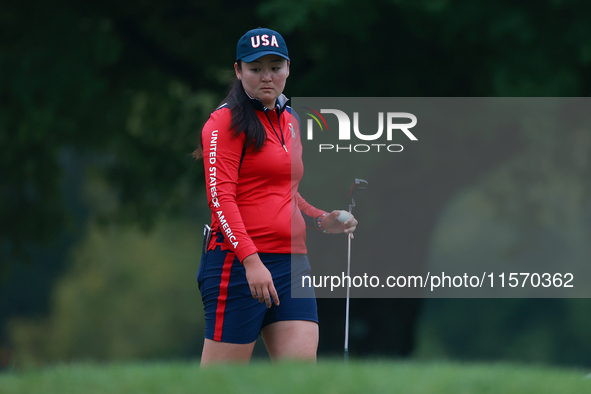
x=237 y=71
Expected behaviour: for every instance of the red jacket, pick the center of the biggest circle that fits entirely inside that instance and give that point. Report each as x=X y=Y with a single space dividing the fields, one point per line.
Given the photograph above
x=253 y=196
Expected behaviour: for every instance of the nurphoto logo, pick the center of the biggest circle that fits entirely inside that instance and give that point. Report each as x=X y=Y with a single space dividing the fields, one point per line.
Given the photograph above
x=392 y=120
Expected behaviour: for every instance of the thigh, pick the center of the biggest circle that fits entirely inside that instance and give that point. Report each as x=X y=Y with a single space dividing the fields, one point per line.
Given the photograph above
x=221 y=352
x=291 y=339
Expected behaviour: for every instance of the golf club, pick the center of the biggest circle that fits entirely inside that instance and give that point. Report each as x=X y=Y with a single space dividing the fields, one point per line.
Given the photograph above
x=359 y=186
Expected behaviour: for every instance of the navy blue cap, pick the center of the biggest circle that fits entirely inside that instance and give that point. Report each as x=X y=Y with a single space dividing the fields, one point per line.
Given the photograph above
x=260 y=42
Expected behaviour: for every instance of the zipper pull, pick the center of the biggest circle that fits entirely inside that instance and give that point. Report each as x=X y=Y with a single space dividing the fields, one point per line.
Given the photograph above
x=285 y=148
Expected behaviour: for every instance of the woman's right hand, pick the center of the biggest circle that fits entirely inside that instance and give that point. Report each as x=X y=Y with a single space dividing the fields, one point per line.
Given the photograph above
x=260 y=280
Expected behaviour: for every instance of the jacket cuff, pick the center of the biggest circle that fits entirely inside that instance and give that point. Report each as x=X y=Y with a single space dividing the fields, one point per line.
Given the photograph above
x=245 y=252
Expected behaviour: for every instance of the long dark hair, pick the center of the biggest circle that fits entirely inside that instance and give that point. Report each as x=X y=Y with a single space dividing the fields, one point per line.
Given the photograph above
x=244 y=117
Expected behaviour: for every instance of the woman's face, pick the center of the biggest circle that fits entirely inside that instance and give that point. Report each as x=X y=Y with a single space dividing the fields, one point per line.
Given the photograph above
x=264 y=78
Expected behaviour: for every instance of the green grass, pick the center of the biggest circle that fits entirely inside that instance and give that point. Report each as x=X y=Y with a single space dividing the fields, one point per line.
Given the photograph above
x=325 y=377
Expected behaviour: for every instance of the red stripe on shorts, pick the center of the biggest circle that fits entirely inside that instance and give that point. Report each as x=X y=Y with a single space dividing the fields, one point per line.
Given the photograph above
x=219 y=313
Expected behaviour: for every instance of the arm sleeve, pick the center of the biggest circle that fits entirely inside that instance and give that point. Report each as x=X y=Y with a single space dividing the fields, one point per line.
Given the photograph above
x=309 y=212
x=221 y=157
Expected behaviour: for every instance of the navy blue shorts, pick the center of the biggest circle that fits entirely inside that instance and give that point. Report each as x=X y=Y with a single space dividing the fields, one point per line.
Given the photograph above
x=231 y=314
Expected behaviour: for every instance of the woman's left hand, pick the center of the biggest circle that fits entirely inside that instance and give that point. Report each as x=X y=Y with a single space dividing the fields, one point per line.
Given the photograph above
x=332 y=225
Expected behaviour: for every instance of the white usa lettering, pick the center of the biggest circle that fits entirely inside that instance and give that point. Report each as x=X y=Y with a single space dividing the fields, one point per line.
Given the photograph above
x=257 y=40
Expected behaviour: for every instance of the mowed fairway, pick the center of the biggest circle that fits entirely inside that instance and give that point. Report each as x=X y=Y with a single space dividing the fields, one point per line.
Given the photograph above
x=325 y=377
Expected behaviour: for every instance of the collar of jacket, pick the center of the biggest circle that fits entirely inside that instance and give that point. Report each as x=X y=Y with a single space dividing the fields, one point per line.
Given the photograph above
x=280 y=103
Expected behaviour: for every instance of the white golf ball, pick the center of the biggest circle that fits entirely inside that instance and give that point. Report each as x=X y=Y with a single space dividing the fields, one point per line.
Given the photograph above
x=343 y=216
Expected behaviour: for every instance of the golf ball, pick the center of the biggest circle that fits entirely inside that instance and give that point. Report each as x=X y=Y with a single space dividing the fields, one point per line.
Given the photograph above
x=343 y=216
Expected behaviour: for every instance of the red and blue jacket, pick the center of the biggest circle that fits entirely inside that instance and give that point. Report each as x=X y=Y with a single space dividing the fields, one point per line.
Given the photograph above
x=253 y=196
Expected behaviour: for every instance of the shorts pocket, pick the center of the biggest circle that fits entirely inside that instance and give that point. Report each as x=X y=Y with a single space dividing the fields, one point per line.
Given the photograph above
x=201 y=270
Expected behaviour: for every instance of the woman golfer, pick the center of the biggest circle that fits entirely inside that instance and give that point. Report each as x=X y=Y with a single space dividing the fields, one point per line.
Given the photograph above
x=252 y=155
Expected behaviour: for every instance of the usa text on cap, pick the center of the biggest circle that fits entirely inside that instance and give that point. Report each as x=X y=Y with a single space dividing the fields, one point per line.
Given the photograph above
x=260 y=42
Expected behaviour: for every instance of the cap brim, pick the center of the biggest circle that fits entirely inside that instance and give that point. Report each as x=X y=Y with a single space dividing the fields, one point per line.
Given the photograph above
x=255 y=56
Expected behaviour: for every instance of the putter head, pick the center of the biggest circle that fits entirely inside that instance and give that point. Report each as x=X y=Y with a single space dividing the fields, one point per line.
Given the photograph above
x=359 y=186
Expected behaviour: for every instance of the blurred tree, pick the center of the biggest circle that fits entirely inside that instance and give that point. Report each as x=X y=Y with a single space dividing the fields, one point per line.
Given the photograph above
x=127 y=296
x=532 y=330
